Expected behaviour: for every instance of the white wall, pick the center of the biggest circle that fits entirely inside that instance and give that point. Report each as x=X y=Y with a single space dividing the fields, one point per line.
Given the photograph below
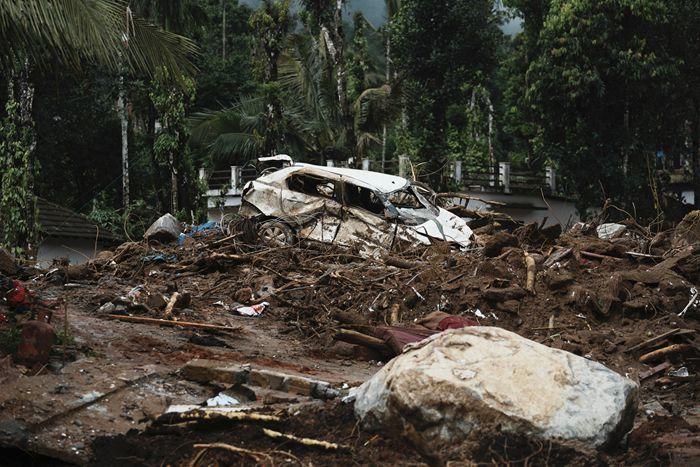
x=557 y=211
x=76 y=250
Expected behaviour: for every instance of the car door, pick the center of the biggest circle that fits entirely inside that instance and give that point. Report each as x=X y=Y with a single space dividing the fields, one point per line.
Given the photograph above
x=311 y=203
x=363 y=220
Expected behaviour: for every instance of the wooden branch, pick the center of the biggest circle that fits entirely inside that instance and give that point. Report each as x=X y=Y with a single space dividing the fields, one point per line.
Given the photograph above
x=665 y=352
x=598 y=256
x=165 y=322
x=173 y=418
x=400 y=262
x=652 y=371
x=168 y=312
x=305 y=441
x=653 y=340
x=531 y=272
x=357 y=338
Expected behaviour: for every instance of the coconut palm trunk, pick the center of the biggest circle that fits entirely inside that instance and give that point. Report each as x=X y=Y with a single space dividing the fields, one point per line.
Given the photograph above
x=124 y=120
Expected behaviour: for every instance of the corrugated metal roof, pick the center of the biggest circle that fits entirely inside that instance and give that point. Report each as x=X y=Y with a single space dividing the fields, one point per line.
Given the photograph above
x=58 y=221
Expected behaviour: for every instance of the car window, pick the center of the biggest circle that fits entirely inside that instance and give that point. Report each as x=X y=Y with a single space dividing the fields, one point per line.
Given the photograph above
x=405 y=199
x=364 y=198
x=311 y=185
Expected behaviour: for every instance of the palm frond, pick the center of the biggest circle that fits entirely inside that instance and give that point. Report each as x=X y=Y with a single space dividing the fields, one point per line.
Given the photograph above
x=71 y=30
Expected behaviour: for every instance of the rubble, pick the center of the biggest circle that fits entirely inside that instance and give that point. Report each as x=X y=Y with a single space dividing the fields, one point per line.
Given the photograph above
x=338 y=316
x=468 y=379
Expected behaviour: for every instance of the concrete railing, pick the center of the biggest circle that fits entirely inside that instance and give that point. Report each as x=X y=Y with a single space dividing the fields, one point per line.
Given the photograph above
x=229 y=183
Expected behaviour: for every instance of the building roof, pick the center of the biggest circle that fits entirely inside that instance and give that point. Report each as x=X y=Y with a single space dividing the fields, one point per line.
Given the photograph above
x=58 y=221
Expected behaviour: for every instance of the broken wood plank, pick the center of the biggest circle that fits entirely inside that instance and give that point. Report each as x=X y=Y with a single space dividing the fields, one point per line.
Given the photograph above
x=305 y=441
x=165 y=322
x=557 y=256
x=653 y=340
x=654 y=370
x=665 y=352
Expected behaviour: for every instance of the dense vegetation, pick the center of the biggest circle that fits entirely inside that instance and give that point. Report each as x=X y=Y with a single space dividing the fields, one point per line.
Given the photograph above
x=607 y=91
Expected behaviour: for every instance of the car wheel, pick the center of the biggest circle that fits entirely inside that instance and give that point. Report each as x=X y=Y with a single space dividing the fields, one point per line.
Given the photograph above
x=275 y=233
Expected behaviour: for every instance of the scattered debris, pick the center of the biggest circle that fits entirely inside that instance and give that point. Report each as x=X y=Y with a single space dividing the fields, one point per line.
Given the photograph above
x=254 y=310
x=331 y=315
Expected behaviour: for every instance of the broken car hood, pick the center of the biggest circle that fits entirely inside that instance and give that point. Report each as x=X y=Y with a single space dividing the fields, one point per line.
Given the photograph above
x=445 y=226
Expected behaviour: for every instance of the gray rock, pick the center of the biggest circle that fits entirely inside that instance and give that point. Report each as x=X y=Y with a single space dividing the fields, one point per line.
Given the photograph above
x=479 y=377
x=610 y=231
x=166 y=229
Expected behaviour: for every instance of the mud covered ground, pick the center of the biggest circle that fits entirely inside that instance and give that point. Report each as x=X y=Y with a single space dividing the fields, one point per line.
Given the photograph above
x=603 y=299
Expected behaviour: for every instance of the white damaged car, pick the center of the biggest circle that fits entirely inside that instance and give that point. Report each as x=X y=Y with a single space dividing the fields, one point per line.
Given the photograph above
x=347 y=207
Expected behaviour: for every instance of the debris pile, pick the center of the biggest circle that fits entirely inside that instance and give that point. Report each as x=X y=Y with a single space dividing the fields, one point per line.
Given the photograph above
x=608 y=295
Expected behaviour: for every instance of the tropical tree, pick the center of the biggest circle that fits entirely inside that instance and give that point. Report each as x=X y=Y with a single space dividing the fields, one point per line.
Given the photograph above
x=75 y=30
x=441 y=51
x=41 y=34
x=309 y=122
x=600 y=86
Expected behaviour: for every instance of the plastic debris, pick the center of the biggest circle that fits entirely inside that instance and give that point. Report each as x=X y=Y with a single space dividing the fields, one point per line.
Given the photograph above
x=255 y=310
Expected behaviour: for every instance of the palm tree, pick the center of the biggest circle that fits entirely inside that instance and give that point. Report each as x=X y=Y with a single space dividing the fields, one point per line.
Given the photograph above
x=65 y=32
x=310 y=120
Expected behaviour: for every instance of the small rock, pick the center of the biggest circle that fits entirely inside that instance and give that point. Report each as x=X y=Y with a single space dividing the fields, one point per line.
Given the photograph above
x=498 y=242
x=610 y=231
x=35 y=343
x=244 y=295
x=165 y=230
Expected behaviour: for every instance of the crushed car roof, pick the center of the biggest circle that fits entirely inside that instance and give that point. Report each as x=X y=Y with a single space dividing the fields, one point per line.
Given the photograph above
x=381 y=182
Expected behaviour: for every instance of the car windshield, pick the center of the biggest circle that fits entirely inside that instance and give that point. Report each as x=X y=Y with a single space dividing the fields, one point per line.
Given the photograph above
x=410 y=198
x=405 y=198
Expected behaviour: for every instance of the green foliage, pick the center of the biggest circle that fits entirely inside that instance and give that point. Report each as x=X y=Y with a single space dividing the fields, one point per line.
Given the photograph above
x=65 y=337
x=70 y=30
x=15 y=147
x=171 y=143
x=597 y=88
x=225 y=73
x=441 y=50
x=359 y=58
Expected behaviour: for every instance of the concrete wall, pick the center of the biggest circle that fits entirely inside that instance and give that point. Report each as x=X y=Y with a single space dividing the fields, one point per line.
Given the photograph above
x=529 y=207
x=77 y=251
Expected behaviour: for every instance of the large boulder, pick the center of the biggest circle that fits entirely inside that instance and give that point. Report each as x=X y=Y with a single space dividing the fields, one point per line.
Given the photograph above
x=477 y=378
